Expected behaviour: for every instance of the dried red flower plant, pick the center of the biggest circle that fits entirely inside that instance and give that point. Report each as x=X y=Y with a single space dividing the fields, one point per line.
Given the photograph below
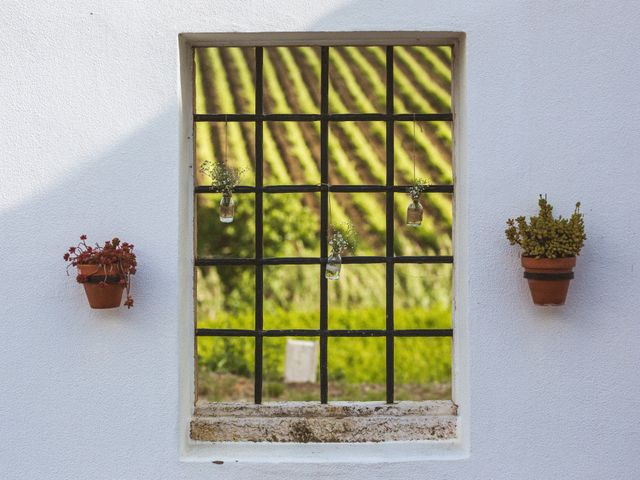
x=113 y=253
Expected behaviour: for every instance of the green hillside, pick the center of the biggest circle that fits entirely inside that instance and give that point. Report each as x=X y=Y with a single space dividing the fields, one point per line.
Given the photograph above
x=224 y=84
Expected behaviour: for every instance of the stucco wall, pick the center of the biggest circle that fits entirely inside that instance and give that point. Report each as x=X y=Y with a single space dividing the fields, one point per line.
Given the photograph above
x=89 y=143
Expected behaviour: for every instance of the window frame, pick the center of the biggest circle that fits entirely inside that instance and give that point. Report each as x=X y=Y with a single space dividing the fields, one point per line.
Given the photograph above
x=187 y=43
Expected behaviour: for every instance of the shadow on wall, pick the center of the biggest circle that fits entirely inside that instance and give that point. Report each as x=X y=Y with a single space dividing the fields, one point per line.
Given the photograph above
x=130 y=191
x=77 y=374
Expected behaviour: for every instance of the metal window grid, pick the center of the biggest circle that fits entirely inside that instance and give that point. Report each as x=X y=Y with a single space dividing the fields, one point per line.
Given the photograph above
x=323 y=332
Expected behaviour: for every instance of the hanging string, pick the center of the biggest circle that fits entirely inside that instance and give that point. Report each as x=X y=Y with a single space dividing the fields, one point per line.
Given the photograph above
x=412 y=272
x=414 y=148
x=329 y=212
x=329 y=209
x=226 y=144
x=415 y=143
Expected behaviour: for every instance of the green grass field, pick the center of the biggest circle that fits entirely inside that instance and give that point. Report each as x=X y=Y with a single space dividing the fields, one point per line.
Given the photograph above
x=224 y=83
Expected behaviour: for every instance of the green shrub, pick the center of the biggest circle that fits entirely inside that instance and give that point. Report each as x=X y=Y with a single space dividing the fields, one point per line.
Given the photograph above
x=354 y=359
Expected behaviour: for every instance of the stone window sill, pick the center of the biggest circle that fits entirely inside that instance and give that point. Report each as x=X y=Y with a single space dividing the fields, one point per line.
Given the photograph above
x=337 y=422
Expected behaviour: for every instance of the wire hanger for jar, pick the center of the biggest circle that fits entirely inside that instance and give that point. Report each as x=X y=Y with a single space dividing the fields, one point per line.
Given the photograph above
x=413 y=152
x=329 y=217
x=226 y=143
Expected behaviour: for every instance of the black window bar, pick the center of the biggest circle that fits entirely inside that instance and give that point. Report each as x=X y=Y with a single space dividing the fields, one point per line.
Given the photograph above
x=323 y=332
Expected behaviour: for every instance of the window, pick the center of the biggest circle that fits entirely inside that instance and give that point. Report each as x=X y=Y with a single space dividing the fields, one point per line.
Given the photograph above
x=324 y=134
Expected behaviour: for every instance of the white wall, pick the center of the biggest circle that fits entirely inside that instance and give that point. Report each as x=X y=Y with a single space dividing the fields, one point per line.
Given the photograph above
x=89 y=143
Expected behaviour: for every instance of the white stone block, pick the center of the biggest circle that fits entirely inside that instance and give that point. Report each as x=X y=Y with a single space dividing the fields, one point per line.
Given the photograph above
x=301 y=361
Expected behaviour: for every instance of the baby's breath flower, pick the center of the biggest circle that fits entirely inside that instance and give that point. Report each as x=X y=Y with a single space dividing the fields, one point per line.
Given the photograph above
x=222 y=176
x=418 y=186
x=343 y=237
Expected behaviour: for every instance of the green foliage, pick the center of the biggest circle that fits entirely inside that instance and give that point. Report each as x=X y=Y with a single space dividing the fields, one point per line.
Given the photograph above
x=355 y=57
x=545 y=236
x=356 y=360
x=231 y=355
x=363 y=151
x=438 y=96
x=289 y=229
x=440 y=69
x=415 y=102
x=225 y=294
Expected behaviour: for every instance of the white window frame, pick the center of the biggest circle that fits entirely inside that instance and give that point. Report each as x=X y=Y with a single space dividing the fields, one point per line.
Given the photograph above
x=454 y=446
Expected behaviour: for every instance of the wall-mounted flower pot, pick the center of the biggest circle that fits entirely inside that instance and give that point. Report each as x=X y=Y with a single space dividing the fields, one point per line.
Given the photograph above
x=548 y=278
x=103 y=287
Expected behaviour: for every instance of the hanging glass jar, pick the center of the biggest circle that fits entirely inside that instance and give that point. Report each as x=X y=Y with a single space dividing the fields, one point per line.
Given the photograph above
x=334 y=264
x=227 y=208
x=419 y=185
x=414 y=212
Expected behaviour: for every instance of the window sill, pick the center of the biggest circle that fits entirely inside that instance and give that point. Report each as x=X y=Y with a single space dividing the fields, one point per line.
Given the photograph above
x=338 y=422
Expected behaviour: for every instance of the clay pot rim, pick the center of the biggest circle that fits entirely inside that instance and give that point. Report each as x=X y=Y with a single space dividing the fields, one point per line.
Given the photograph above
x=562 y=263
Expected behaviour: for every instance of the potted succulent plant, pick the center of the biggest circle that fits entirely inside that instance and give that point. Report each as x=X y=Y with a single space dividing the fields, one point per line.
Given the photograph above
x=104 y=270
x=342 y=237
x=223 y=178
x=549 y=249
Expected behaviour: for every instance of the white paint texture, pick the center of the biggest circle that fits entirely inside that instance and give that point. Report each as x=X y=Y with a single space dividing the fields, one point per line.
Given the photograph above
x=90 y=143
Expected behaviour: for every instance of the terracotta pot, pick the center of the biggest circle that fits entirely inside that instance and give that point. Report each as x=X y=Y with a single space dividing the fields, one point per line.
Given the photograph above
x=548 y=278
x=105 y=296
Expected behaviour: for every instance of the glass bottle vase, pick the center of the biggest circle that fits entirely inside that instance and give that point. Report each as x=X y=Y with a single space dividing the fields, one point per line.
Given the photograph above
x=334 y=264
x=227 y=209
x=414 y=213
